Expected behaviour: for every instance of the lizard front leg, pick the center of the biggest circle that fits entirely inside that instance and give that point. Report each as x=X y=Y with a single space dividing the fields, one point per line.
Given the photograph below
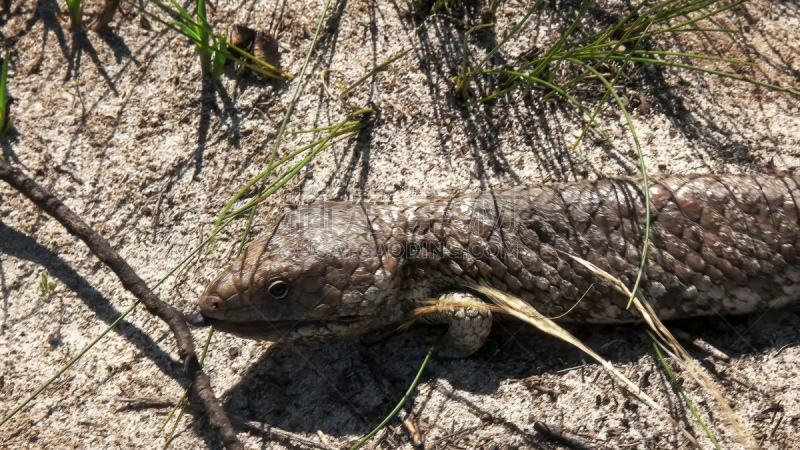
x=469 y=324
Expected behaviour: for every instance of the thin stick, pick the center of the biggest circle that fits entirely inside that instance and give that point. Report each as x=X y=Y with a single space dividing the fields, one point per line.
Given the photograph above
x=100 y=247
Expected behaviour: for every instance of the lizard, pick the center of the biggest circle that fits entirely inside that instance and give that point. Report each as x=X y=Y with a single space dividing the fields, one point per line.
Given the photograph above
x=719 y=244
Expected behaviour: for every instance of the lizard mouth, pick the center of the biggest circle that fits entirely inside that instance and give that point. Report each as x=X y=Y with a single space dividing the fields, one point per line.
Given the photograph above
x=282 y=330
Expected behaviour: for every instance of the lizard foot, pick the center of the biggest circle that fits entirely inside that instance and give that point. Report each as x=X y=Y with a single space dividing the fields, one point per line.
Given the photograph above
x=469 y=325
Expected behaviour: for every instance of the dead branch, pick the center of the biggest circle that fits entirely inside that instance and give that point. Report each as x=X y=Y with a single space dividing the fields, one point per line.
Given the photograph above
x=200 y=382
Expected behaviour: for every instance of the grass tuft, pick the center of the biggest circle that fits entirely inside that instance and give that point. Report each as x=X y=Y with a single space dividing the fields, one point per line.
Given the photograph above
x=213 y=51
x=46 y=288
x=199 y=32
x=619 y=42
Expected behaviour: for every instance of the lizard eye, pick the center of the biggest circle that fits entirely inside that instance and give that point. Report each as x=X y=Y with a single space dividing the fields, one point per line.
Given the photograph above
x=278 y=289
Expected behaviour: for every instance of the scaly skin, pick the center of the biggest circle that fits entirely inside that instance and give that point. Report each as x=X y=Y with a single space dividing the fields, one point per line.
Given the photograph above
x=719 y=245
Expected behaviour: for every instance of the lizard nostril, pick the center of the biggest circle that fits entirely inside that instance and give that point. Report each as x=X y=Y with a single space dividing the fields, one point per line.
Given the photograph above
x=215 y=304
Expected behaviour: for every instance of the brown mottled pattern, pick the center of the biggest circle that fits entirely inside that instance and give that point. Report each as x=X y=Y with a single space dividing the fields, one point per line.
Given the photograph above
x=719 y=244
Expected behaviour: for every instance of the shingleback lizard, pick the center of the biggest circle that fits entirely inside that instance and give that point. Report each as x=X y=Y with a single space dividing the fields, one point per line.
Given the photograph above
x=724 y=244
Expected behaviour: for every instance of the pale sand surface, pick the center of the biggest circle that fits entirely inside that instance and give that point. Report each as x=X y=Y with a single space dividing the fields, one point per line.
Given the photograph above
x=154 y=159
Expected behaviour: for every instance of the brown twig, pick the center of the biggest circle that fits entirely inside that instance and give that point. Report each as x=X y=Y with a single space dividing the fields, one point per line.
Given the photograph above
x=106 y=15
x=271 y=432
x=200 y=382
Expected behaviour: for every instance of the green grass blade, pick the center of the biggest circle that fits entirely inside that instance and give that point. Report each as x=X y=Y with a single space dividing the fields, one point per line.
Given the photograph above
x=269 y=169
x=202 y=29
x=201 y=13
x=320 y=145
x=75 y=9
x=338 y=130
x=110 y=327
x=715 y=72
x=276 y=185
x=608 y=54
x=510 y=34
x=289 y=109
x=384 y=66
x=642 y=168
x=187 y=30
x=605 y=95
x=329 y=127
x=686 y=399
x=690 y=8
x=696 y=19
x=706 y=30
x=180 y=10
x=187 y=27
x=5 y=119
x=402 y=402
x=184 y=400
x=662 y=53
x=605 y=34
x=247 y=227
x=552 y=86
x=68 y=365
x=551 y=52
x=218 y=64
x=260 y=66
x=464 y=78
x=680 y=27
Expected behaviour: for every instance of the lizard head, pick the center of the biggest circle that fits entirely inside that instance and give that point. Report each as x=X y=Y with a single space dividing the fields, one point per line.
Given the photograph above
x=317 y=276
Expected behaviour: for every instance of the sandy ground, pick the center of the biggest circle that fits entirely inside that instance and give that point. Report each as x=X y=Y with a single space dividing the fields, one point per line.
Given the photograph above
x=124 y=129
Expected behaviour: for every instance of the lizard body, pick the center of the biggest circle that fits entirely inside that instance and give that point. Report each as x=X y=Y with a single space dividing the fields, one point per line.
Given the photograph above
x=726 y=244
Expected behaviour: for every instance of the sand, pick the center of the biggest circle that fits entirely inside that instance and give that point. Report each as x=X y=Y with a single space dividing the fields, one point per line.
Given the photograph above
x=123 y=127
